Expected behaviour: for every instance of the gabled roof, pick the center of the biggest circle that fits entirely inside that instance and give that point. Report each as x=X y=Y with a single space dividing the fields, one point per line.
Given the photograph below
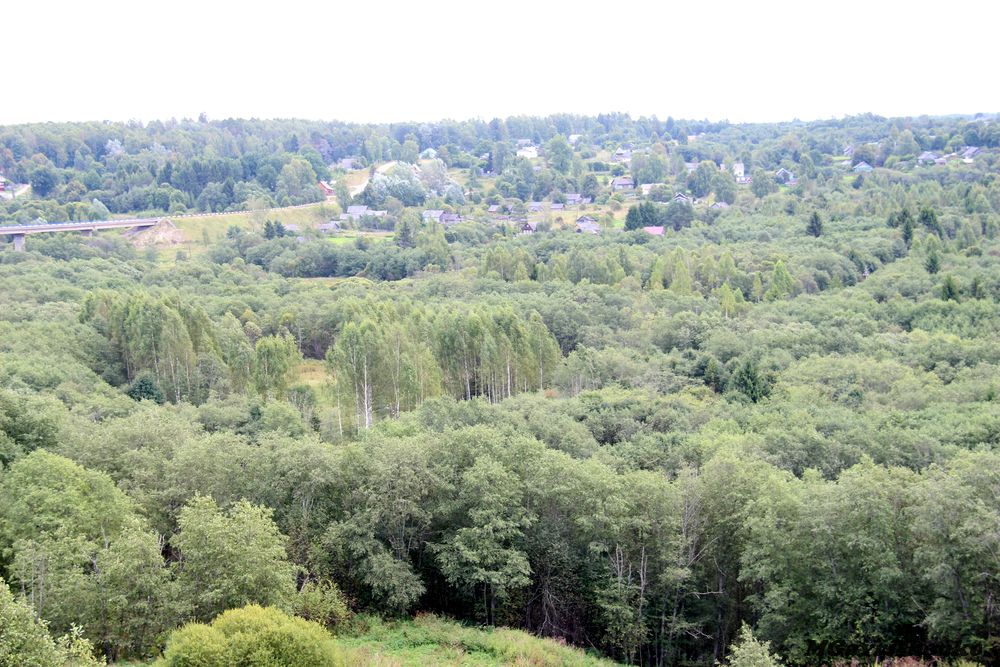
x=654 y=231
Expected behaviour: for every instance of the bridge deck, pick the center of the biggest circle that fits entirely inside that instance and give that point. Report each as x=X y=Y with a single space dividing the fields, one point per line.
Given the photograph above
x=78 y=226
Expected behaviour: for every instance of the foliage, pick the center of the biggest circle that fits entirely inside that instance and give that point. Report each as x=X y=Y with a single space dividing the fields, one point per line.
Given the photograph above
x=230 y=559
x=749 y=652
x=252 y=636
x=626 y=441
x=25 y=641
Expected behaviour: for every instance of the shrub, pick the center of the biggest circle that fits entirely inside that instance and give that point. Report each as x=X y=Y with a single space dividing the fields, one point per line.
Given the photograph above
x=323 y=603
x=748 y=651
x=252 y=636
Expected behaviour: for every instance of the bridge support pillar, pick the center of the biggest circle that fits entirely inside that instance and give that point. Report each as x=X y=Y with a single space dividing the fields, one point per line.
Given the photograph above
x=18 y=242
x=87 y=232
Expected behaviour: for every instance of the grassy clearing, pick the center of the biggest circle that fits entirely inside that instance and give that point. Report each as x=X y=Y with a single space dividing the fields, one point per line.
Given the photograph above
x=430 y=640
x=312 y=372
x=306 y=217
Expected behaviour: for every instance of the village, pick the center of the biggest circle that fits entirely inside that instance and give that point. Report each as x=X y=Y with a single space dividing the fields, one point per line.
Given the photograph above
x=619 y=185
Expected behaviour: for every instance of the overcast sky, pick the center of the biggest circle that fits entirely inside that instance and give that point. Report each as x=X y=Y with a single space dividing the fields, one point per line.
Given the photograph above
x=373 y=61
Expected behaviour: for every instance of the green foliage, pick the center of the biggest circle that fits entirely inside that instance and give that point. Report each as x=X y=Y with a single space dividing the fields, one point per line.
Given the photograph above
x=252 y=636
x=144 y=387
x=932 y=262
x=25 y=641
x=815 y=225
x=619 y=440
x=323 y=603
x=274 y=361
x=781 y=284
x=751 y=381
x=749 y=652
x=230 y=559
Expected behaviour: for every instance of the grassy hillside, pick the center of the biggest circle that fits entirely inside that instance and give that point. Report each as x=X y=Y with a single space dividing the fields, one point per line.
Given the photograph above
x=430 y=640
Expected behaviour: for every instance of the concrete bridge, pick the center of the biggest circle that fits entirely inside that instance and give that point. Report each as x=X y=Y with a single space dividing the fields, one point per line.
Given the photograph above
x=18 y=232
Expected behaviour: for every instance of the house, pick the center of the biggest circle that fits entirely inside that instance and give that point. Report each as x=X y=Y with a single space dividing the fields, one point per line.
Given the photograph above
x=558 y=207
x=653 y=231
x=534 y=206
x=720 y=205
x=738 y=171
x=495 y=208
x=622 y=155
x=523 y=143
x=528 y=227
x=691 y=167
x=528 y=152
x=327 y=189
x=357 y=211
x=428 y=154
x=784 y=176
x=647 y=188
x=347 y=164
x=968 y=153
x=622 y=183
x=927 y=157
x=848 y=150
x=450 y=219
x=433 y=214
x=573 y=198
x=682 y=198
x=332 y=226
x=573 y=138
x=586 y=218
x=862 y=167
x=587 y=225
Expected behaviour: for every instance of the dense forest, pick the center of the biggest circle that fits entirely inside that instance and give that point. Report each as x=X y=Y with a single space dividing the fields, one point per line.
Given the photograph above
x=753 y=416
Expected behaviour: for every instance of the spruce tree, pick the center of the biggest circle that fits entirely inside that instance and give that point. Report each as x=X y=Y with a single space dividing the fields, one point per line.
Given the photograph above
x=815 y=226
x=933 y=262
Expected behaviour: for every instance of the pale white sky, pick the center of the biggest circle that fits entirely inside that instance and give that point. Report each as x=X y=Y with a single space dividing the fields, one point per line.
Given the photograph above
x=378 y=61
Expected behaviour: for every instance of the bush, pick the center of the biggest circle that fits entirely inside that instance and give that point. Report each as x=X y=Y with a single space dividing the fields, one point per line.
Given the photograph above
x=252 y=636
x=323 y=603
x=750 y=652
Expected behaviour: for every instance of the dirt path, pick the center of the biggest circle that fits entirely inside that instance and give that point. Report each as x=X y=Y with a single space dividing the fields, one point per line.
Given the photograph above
x=382 y=168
